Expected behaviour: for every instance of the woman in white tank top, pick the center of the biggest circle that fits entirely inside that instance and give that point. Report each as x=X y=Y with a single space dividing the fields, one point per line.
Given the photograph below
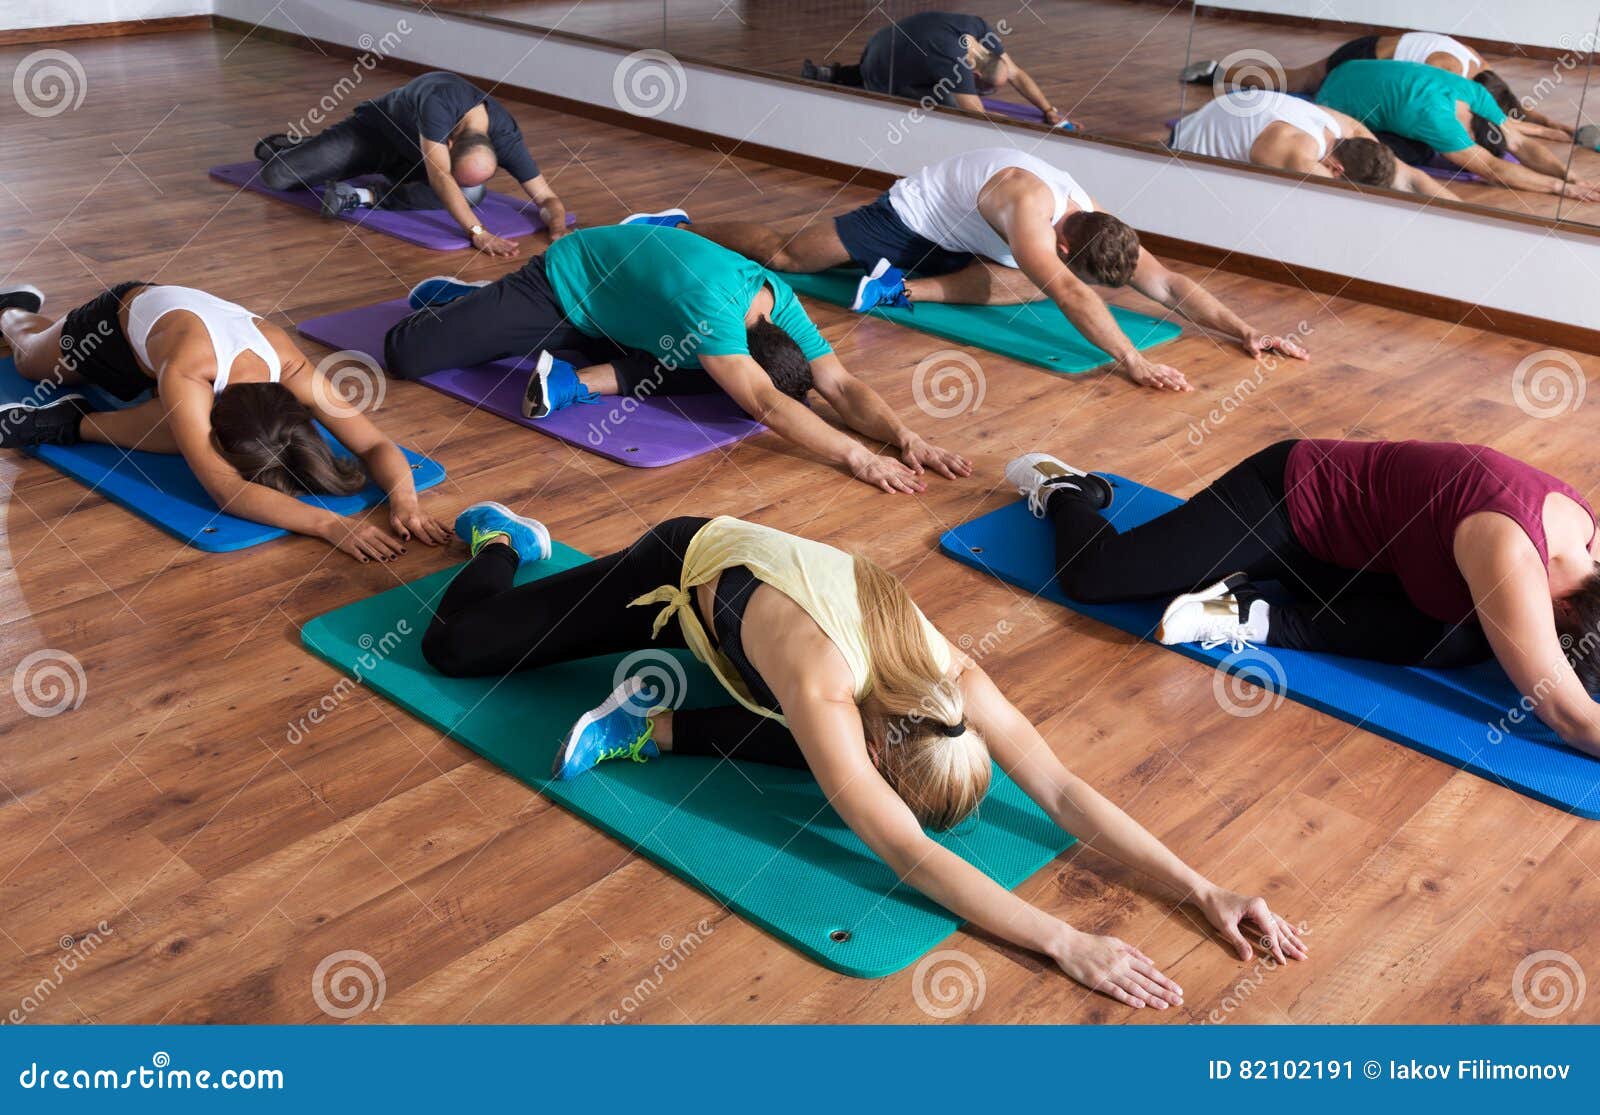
x=224 y=388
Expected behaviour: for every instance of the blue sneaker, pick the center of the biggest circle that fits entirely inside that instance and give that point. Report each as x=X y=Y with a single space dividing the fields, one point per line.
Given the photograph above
x=619 y=728
x=667 y=218
x=482 y=521
x=441 y=290
x=884 y=285
x=554 y=385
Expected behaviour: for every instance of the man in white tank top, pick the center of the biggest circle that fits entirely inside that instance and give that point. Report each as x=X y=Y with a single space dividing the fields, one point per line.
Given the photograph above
x=1277 y=130
x=996 y=226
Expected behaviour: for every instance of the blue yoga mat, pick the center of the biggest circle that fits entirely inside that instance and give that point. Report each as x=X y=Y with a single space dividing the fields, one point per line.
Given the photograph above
x=1461 y=717
x=160 y=489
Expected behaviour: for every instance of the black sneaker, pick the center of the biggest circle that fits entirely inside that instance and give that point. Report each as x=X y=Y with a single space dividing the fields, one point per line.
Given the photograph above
x=22 y=297
x=268 y=146
x=25 y=425
x=810 y=71
x=1199 y=73
x=338 y=198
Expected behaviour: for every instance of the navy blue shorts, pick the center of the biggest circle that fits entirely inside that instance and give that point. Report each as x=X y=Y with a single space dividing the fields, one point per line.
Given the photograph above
x=876 y=232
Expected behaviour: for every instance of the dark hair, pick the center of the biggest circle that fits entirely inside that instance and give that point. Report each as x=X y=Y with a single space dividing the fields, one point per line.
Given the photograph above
x=1502 y=94
x=1365 y=161
x=1100 y=248
x=1489 y=136
x=266 y=433
x=1580 y=632
x=468 y=142
x=782 y=359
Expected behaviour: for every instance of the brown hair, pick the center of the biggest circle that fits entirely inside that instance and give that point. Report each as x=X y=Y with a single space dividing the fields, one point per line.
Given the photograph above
x=266 y=433
x=1365 y=161
x=1580 y=630
x=1100 y=248
x=912 y=711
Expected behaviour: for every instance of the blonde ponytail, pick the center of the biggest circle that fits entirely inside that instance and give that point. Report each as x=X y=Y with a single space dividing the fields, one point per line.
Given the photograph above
x=913 y=714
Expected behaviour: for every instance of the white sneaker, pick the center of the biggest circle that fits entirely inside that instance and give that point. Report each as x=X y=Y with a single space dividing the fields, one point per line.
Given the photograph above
x=1036 y=475
x=1225 y=613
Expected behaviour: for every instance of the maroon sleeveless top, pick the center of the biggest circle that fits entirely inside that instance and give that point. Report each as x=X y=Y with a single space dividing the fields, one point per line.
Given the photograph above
x=1393 y=507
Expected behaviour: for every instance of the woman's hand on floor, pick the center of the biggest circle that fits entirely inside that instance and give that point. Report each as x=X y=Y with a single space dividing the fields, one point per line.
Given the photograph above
x=362 y=541
x=409 y=521
x=919 y=455
x=1117 y=969
x=885 y=473
x=1232 y=913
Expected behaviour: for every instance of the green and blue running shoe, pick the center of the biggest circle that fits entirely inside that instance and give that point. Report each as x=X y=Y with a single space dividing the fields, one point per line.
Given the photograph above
x=553 y=385
x=482 y=521
x=616 y=729
x=884 y=285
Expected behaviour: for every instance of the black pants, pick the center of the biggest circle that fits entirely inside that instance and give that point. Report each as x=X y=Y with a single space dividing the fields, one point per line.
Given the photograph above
x=348 y=149
x=1240 y=524
x=486 y=627
x=516 y=316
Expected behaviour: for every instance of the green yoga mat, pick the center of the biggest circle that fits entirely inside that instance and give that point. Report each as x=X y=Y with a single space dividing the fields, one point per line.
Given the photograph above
x=1035 y=332
x=762 y=840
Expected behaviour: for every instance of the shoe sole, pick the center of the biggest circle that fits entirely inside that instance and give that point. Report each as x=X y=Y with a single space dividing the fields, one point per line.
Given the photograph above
x=861 y=288
x=531 y=407
x=636 y=218
x=540 y=531
x=1178 y=602
x=411 y=295
x=621 y=695
x=27 y=288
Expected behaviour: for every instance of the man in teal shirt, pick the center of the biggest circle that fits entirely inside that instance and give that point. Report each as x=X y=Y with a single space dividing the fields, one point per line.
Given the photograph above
x=1450 y=115
x=640 y=310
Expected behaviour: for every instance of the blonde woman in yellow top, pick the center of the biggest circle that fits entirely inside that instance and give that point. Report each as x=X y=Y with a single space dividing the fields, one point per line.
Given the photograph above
x=831 y=667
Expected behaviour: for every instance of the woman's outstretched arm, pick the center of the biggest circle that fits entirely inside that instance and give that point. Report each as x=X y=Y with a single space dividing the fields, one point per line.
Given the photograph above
x=1077 y=807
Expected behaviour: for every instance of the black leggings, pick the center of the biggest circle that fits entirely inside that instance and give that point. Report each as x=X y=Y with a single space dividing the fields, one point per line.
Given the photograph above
x=349 y=149
x=1240 y=524
x=516 y=316
x=485 y=626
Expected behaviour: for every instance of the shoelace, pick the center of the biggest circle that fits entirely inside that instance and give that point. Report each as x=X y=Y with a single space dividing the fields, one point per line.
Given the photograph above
x=1040 y=496
x=629 y=750
x=1234 y=638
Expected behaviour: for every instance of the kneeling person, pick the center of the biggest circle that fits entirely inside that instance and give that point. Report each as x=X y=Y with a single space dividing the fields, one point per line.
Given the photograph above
x=639 y=310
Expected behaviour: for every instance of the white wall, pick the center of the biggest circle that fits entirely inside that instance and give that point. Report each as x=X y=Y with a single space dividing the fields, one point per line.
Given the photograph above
x=1502 y=264
x=18 y=14
x=1565 y=24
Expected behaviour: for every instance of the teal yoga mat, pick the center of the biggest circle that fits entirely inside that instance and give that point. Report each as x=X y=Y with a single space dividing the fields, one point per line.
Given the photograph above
x=762 y=840
x=1036 y=333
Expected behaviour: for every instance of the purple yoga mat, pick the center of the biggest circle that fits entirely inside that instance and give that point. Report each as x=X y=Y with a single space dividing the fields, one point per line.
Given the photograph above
x=645 y=433
x=1013 y=110
x=429 y=228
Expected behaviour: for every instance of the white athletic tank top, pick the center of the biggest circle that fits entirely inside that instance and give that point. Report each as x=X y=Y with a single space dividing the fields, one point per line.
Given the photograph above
x=232 y=328
x=1230 y=125
x=940 y=201
x=1419 y=46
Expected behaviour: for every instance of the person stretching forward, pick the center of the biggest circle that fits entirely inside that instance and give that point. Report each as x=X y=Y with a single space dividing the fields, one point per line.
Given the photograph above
x=938 y=235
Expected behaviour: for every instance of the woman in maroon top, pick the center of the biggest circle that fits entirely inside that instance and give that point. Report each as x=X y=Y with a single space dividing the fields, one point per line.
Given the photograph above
x=1417 y=553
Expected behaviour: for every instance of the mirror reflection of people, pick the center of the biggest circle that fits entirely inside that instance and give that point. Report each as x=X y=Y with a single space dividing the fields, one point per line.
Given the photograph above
x=826 y=665
x=943 y=57
x=997 y=226
x=437 y=140
x=1431 y=554
x=1277 y=130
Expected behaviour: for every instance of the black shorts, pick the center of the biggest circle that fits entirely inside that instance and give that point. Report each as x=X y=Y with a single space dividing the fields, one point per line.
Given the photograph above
x=875 y=232
x=94 y=345
x=1356 y=50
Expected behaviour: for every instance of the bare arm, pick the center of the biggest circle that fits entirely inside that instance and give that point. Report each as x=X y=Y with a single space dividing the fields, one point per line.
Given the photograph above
x=436 y=160
x=1032 y=93
x=864 y=411
x=1158 y=282
x=551 y=211
x=1511 y=593
x=1514 y=176
x=1413 y=180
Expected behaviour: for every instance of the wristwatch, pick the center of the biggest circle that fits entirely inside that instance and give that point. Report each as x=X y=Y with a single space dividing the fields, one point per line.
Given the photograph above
x=472 y=233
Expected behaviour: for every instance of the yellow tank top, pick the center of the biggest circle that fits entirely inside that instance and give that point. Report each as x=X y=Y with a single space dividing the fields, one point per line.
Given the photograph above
x=818 y=577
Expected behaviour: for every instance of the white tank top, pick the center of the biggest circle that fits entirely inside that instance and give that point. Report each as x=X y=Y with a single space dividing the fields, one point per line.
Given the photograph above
x=1419 y=46
x=1229 y=126
x=940 y=201
x=232 y=328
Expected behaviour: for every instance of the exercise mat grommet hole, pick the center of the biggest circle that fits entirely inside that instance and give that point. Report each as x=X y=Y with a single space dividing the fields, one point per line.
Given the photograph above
x=839 y=936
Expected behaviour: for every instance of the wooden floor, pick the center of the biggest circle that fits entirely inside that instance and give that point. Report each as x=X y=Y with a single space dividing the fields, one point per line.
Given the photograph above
x=1111 y=65
x=227 y=862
